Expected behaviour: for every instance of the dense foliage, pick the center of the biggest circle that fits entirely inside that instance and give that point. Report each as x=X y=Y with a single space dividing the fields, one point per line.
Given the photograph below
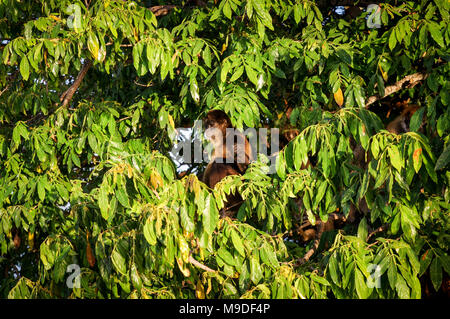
x=91 y=94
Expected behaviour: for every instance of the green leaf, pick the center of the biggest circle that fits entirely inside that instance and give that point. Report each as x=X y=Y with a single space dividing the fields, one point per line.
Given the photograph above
x=255 y=270
x=210 y=215
x=149 y=232
x=392 y=273
x=270 y=258
x=280 y=165
x=227 y=9
x=392 y=40
x=395 y=225
x=361 y=286
x=237 y=74
x=122 y=197
x=24 y=68
x=436 y=273
x=402 y=288
x=320 y=192
x=103 y=202
x=135 y=278
x=362 y=229
x=224 y=71
x=92 y=142
x=237 y=242
x=395 y=157
x=252 y=74
x=416 y=120
x=333 y=269
x=429 y=167
x=206 y=54
x=319 y=279
x=226 y=256
x=118 y=261
x=425 y=261
x=41 y=189
x=443 y=159
x=186 y=221
x=445 y=261
x=436 y=34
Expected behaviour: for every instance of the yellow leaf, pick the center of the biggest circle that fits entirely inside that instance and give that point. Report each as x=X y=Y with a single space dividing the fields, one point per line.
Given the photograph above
x=383 y=73
x=171 y=122
x=130 y=171
x=55 y=18
x=156 y=180
x=339 y=97
x=184 y=248
x=209 y=286
x=93 y=45
x=184 y=271
x=224 y=47
x=30 y=240
x=200 y=290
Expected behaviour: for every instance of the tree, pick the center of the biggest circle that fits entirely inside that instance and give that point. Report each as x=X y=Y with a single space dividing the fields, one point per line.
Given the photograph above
x=92 y=94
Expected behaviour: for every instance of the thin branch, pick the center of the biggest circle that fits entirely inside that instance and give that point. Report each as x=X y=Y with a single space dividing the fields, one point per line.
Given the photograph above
x=6 y=88
x=407 y=82
x=200 y=265
x=127 y=45
x=143 y=85
x=162 y=10
x=378 y=230
x=68 y=94
x=315 y=245
x=225 y=209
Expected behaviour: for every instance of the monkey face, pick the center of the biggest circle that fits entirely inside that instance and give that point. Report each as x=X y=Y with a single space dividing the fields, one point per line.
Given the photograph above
x=217 y=119
x=214 y=135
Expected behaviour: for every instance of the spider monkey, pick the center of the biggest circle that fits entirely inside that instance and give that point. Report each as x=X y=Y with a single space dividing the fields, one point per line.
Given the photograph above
x=226 y=159
x=401 y=123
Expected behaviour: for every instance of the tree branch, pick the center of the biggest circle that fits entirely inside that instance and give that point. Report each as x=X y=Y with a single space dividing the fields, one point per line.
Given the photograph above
x=378 y=230
x=162 y=10
x=200 y=265
x=315 y=245
x=68 y=94
x=407 y=82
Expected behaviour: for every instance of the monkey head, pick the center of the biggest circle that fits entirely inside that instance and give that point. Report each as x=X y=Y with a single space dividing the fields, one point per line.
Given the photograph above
x=216 y=124
x=216 y=120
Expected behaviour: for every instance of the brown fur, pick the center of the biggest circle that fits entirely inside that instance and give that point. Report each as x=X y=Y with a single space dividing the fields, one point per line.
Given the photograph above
x=401 y=123
x=218 y=168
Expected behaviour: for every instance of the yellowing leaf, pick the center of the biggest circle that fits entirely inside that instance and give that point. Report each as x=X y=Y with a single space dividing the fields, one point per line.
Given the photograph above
x=416 y=159
x=93 y=45
x=156 y=180
x=200 y=290
x=339 y=97
x=383 y=73
x=184 y=248
x=184 y=271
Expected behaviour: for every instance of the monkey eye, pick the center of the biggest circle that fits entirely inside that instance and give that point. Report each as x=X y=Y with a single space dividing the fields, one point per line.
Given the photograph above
x=212 y=133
